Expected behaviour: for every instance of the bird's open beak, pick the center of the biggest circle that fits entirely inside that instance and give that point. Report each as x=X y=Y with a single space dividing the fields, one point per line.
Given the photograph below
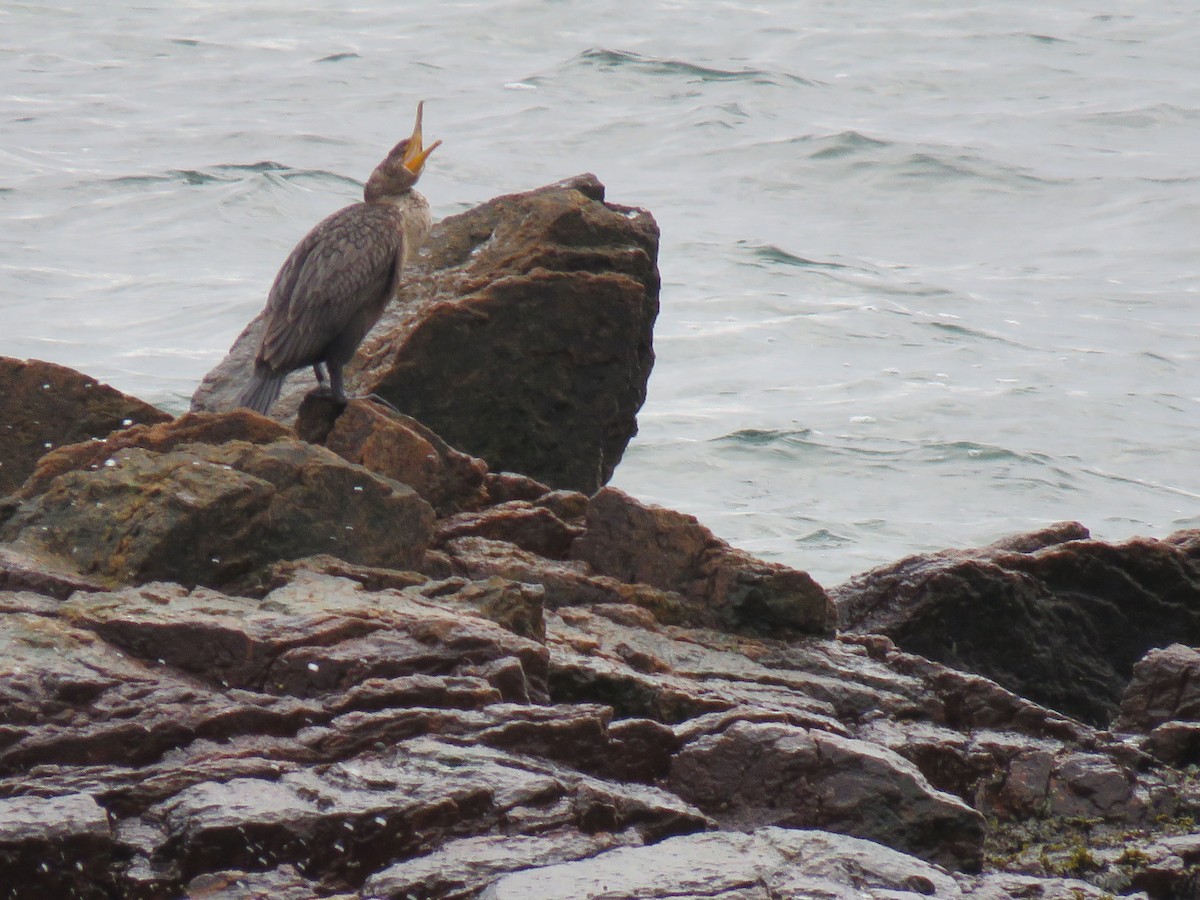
x=416 y=154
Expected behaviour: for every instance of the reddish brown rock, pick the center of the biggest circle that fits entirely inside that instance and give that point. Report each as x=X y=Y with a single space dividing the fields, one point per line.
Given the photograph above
x=216 y=514
x=1069 y=784
x=398 y=447
x=192 y=428
x=363 y=730
x=44 y=573
x=1060 y=623
x=638 y=543
x=505 y=486
x=531 y=528
x=569 y=582
x=44 y=406
x=524 y=335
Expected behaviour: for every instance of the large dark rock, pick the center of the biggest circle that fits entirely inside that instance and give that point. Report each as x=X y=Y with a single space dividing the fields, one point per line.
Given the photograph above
x=524 y=335
x=1052 y=616
x=43 y=406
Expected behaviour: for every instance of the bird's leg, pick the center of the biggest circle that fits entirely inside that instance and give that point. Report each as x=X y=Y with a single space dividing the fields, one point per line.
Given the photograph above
x=335 y=383
x=322 y=389
x=337 y=389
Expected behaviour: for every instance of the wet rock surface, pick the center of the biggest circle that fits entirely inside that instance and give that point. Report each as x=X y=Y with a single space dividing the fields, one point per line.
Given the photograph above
x=206 y=514
x=43 y=406
x=524 y=337
x=638 y=543
x=765 y=864
x=521 y=690
x=1163 y=698
x=329 y=739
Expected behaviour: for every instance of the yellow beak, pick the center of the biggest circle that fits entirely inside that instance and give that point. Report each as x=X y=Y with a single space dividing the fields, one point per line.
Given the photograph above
x=416 y=153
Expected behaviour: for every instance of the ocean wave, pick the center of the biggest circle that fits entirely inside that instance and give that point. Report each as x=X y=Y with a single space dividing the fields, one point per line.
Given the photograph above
x=882 y=161
x=652 y=65
x=1152 y=116
x=229 y=173
x=773 y=255
x=339 y=57
x=843 y=144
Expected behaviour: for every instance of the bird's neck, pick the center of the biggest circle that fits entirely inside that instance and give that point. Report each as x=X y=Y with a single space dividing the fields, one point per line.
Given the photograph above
x=377 y=195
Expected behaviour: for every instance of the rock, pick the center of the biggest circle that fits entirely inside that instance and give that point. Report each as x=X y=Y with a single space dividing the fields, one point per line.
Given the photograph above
x=193 y=428
x=366 y=732
x=569 y=582
x=1168 y=867
x=765 y=864
x=1162 y=701
x=754 y=774
x=768 y=863
x=465 y=867
x=638 y=543
x=1165 y=687
x=505 y=486
x=1006 y=886
x=345 y=817
x=63 y=845
x=1059 y=623
x=228 y=734
x=398 y=447
x=524 y=335
x=1069 y=784
x=43 y=573
x=44 y=406
x=284 y=883
x=1175 y=743
x=357 y=635
x=531 y=528
x=204 y=514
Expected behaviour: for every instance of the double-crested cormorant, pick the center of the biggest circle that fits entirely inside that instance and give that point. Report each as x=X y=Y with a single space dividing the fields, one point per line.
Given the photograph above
x=336 y=282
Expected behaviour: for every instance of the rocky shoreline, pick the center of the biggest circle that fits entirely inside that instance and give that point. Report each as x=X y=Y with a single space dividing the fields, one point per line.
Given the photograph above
x=361 y=654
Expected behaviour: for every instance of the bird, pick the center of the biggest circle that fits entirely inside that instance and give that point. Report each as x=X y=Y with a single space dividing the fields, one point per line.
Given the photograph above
x=336 y=282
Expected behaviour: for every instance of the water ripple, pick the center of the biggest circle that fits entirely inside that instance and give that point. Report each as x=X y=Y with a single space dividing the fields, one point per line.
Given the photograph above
x=605 y=58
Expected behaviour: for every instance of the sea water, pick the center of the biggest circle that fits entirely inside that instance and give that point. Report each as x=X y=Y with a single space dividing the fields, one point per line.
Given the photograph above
x=929 y=269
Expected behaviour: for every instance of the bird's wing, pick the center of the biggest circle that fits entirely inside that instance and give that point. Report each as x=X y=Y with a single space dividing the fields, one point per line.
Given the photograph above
x=347 y=262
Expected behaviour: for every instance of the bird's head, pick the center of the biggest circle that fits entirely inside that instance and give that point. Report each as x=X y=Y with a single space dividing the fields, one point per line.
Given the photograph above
x=403 y=165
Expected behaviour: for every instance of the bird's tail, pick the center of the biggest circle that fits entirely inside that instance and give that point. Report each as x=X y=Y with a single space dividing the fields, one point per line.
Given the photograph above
x=261 y=392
